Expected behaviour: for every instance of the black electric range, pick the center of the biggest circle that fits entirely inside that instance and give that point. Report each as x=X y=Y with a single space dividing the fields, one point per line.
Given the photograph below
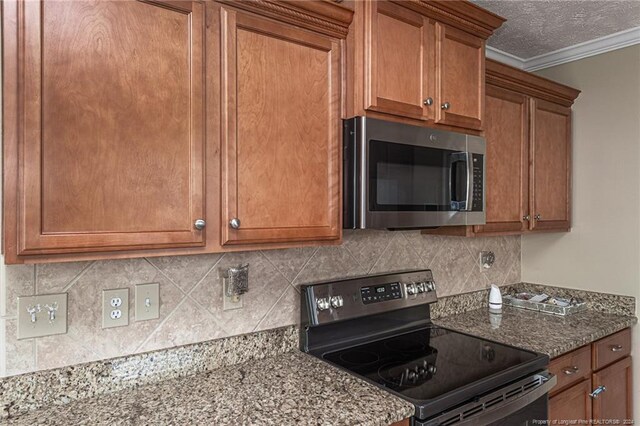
x=379 y=329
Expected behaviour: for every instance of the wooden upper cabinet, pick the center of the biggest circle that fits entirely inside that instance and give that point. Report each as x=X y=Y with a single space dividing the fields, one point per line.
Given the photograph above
x=460 y=78
x=507 y=168
x=615 y=402
x=281 y=132
x=409 y=59
x=106 y=151
x=551 y=166
x=399 y=60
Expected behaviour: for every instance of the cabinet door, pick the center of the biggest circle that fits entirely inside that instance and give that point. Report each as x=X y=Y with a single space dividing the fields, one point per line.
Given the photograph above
x=615 y=402
x=111 y=131
x=507 y=169
x=398 y=61
x=551 y=166
x=280 y=132
x=459 y=77
x=571 y=404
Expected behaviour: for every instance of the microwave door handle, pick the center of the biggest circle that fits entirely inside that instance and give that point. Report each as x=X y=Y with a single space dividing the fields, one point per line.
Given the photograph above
x=469 y=200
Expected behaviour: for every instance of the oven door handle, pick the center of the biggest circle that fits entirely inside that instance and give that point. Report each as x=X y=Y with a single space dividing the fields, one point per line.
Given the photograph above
x=498 y=411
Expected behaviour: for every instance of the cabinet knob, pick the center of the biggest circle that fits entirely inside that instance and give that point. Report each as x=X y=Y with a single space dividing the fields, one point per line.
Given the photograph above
x=199 y=224
x=428 y=101
x=445 y=106
x=597 y=391
x=234 y=223
x=616 y=348
x=527 y=217
x=537 y=217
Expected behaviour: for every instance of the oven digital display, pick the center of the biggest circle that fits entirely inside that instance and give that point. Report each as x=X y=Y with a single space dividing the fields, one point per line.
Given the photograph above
x=380 y=293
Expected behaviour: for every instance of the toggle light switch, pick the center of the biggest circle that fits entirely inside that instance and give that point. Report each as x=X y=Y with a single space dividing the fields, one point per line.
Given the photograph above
x=147 y=301
x=42 y=315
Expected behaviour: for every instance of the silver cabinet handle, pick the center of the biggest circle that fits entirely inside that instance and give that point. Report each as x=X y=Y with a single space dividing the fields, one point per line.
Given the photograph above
x=537 y=217
x=527 y=217
x=234 y=223
x=597 y=391
x=199 y=224
x=569 y=371
x=445 y=106
x=428 y=101
x=616 y=348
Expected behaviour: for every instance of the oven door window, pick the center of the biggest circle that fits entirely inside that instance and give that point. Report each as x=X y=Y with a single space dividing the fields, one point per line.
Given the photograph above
x=415 y=178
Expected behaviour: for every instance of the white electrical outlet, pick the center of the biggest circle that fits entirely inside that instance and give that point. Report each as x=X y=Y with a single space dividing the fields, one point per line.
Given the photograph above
x=115 y=307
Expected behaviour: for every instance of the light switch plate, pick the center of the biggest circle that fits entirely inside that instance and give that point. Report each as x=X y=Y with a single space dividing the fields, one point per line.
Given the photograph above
x=147 y=301
x=115 y=307
x=49 y=312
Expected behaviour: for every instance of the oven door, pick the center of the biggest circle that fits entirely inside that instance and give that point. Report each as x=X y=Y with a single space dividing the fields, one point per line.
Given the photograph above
x=523 y=403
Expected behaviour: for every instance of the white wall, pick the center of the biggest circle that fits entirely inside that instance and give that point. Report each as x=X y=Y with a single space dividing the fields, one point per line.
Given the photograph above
x=602 y=251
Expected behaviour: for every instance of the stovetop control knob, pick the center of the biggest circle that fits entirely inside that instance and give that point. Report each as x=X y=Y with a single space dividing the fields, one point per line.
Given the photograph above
x=337 y=302
x=322 y=303
x=431 y=286
x=422 y=287
x=412 y=288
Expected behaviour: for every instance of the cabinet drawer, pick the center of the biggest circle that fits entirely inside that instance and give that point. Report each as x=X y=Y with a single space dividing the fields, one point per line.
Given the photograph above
x=611 y=349
x=571 y=368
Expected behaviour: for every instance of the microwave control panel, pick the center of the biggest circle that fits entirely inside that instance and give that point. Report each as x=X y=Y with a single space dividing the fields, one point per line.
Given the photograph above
x=478 y=183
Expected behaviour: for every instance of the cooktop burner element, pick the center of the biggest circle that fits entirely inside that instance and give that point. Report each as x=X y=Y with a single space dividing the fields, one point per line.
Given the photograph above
x=381 y=331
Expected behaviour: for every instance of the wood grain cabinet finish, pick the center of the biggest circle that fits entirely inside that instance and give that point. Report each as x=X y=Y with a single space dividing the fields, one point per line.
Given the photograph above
x=594 y=385
x=106 y=149
x=507 y=161
x=572 y=404
x=460 y=78
x=551 y=166
x=616 y=401
x=420 y=61
x=281 y=132
x=399 y=61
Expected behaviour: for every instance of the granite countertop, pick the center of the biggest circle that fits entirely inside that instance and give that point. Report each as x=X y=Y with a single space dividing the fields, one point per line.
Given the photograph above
x=545 y=333
x=289 y=389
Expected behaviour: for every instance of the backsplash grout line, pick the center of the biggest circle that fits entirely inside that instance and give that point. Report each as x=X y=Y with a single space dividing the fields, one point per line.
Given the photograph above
x=304 y=266
x=74 y=279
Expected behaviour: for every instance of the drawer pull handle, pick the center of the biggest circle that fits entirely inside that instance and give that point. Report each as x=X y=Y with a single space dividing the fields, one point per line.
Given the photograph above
x=597 y=391
x=569 y=371
x=616 y=348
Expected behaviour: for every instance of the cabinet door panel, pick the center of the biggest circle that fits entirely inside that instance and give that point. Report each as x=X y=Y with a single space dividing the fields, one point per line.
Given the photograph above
x=551 y=166
x=507 y=169
x=113 y=134
x=399 y=60
x=460 y=77
x=281 y=132
x=614 y=403
x=571 y=404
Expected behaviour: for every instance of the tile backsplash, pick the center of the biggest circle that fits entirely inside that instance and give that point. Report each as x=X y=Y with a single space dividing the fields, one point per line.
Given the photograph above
x=191 y=291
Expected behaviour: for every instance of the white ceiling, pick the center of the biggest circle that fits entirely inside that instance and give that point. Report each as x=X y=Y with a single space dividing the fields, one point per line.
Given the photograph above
x=537 y=27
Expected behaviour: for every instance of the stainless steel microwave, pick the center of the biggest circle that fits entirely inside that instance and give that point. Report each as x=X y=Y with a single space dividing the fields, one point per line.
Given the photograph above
x=399 y=176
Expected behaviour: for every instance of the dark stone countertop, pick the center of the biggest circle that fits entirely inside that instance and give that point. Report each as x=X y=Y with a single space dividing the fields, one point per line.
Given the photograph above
x=289 y=389
x=553 y=335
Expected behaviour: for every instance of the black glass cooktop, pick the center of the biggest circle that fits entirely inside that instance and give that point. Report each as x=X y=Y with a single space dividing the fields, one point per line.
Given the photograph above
x=427 y=363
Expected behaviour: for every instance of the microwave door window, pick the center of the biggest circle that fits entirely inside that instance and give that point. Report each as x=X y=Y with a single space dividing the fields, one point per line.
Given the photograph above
x=408 y=178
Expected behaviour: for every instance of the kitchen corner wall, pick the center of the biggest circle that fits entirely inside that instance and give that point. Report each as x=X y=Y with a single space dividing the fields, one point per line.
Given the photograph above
x=191 y=291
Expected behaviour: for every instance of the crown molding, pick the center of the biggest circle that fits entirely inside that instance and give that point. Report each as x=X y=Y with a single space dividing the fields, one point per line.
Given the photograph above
x=568 y=54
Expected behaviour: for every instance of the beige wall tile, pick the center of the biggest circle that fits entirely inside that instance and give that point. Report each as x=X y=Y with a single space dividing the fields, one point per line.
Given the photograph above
x=19 y=281
x=366 y=246
x=399 y=255
x=54 y=277
x=330 y=262
x=61 y=350
x=286 y=311
x=19 y=355
x=185 y=271
x=290 y=261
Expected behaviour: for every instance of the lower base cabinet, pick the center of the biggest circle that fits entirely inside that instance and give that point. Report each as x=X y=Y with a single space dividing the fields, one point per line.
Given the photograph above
x=598 y=389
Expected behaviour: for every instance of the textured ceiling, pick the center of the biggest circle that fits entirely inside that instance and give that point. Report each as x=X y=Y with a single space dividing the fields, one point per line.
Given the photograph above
x=535 y=27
